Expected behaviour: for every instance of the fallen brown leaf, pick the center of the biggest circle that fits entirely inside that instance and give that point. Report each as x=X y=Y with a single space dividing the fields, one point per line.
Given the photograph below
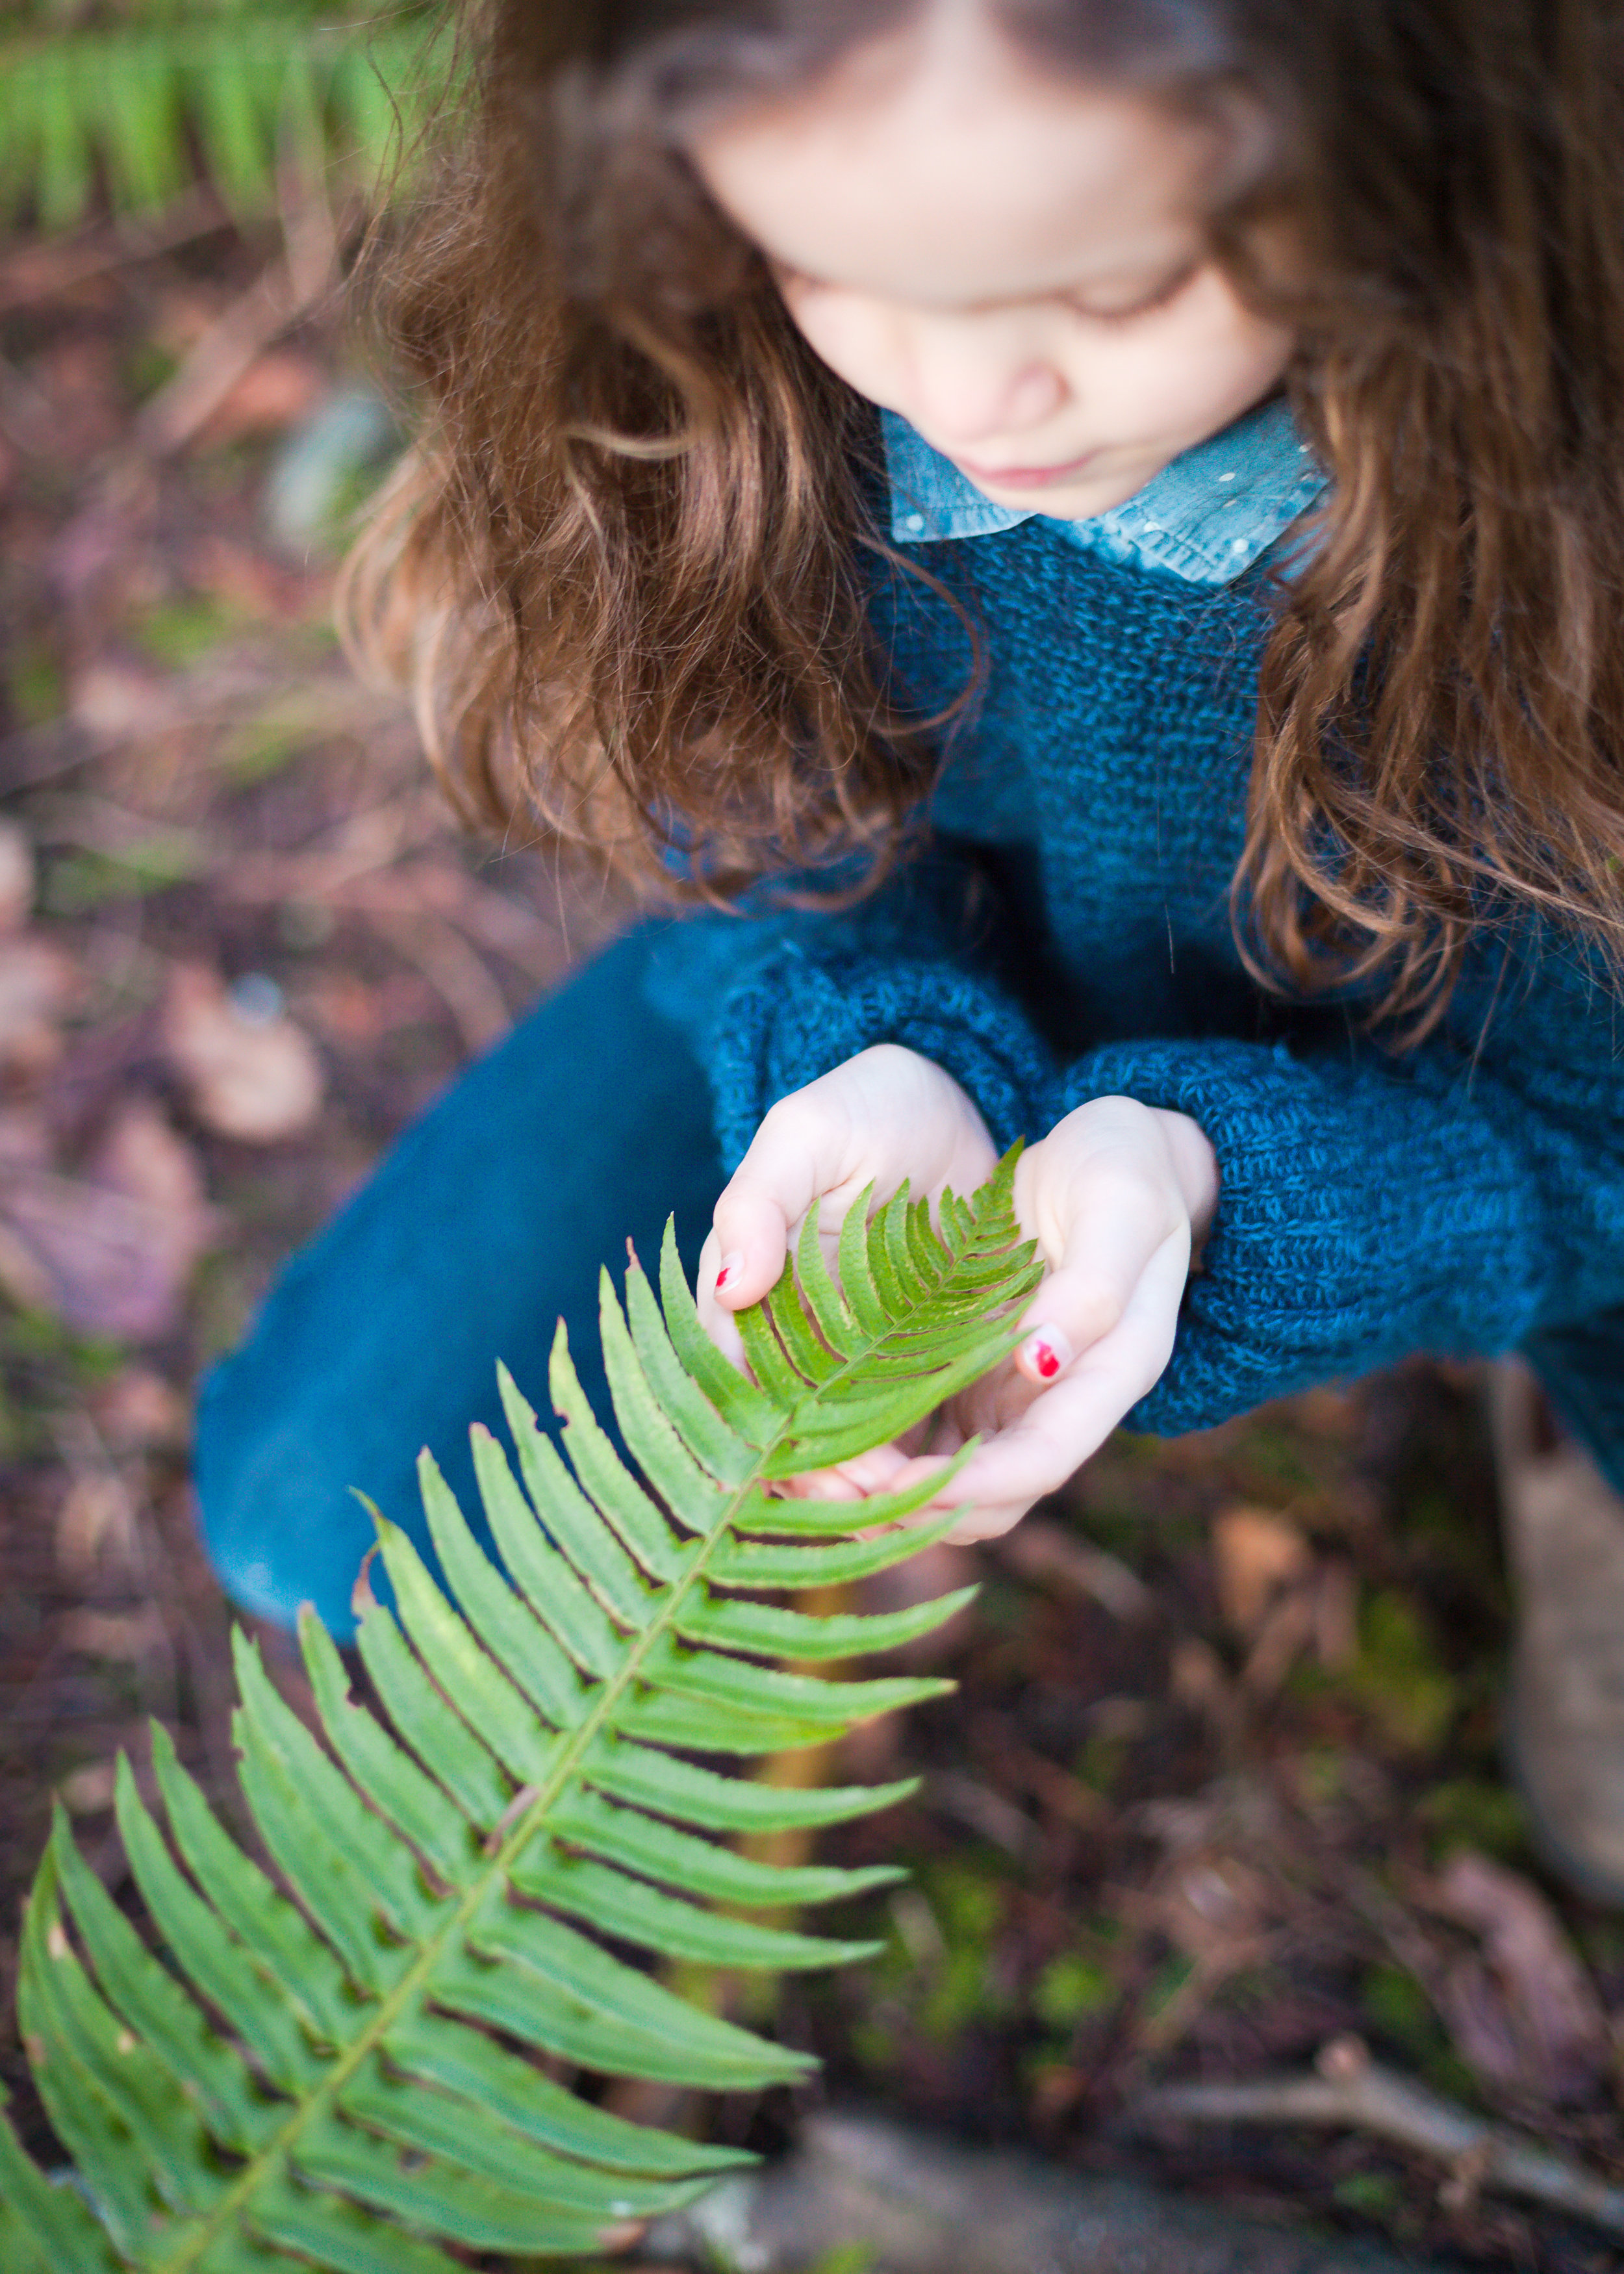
x=139 y=1409
x=111 y=1254
x=1525 y=2013
x=87 y=1791
x=98 y=1516
x=16 y=876
x=258 y=1080
x=274 y=392
x=38 y=984
x=1258 y=1554
x=113 y=1634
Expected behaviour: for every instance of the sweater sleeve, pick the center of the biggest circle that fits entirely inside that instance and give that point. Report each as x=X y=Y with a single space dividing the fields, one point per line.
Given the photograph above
x=923 y=962
x=1453 y=1200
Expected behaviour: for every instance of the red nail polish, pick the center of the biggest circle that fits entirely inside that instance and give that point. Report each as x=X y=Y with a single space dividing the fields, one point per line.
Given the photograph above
x=724 y=1275
x=1046 y=1360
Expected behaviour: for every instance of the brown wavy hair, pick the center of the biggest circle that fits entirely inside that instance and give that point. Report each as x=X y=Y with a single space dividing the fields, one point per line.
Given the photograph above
x=624 y=571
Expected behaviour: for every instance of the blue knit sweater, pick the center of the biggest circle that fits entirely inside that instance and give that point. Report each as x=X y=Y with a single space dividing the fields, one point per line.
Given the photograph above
x=1068 y=936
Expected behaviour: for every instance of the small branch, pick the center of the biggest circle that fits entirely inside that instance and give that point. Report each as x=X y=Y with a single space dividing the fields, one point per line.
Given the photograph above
x=1353 y=2093
x=237 y=338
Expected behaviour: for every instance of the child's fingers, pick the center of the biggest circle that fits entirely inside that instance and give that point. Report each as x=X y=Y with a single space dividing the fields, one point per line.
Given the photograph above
x=1049 y=1441
x=1123 y=1222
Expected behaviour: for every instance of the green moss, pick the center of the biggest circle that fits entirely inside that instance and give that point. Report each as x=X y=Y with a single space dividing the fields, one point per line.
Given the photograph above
x=1399 y=1678
x=1321 y=1770
x=1476 y=1813
x=1166 y=1983
x=36 y=685
x=179 y=633
x=1070 y=1989
x=1100 y=1763
x=1372 y=2195
x=146 y=368
x=1272 y=1454
x=1397 y=2007
x=967 y=1901
x=86 y=879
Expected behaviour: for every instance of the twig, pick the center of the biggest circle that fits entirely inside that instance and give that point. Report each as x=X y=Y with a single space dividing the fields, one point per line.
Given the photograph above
x=236 y=339
x=1042 y=1553
x=1353 y=2093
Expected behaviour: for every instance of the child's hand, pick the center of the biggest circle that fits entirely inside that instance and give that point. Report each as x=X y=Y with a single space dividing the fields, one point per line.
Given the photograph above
x=1118 y=1196
x=884 y=1115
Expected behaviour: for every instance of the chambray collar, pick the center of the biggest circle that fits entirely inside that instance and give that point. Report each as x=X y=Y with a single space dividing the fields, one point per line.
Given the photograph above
x=1208 y=517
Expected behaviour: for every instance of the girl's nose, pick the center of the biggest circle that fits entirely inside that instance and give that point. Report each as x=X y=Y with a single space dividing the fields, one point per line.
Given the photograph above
x=969 y=390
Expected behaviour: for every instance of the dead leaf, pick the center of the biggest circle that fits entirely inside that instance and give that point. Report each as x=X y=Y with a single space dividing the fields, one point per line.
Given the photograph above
x=1526 y=2014
x=138 y=1409
x=111 y=1252
x=274 y=392
x=16 y=876
x=120 y=703
x=1336 y=1616
x=258 y=1079
x=113 y=1634
x=1284 y=1633
x=97 y=1515
x=38 y=984
x=1258 y=1556
x=87 y=1791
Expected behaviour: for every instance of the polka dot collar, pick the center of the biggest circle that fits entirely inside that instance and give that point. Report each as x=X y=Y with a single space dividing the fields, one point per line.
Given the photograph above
x=1208 y=517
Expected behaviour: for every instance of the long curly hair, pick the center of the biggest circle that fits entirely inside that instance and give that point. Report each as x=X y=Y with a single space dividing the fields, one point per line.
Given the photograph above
x=623 y=572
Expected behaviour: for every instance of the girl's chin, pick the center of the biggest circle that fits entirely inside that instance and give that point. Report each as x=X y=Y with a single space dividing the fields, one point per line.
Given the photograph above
x=1067 y=500
x=1071 y=497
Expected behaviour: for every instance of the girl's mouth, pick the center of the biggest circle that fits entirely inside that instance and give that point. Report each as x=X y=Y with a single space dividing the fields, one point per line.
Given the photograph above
x=1029 y=478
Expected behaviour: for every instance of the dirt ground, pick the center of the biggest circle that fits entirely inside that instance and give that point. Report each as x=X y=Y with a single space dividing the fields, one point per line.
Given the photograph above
x=1220 y=1782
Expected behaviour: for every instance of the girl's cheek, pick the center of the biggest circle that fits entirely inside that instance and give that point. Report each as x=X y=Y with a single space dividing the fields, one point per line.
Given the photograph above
x=847 y=338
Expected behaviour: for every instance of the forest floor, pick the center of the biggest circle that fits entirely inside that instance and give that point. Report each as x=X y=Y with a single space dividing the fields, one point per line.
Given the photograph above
x=1219 y=1786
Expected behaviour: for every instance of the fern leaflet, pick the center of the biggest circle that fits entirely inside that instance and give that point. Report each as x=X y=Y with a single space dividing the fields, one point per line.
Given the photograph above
x=138 y=106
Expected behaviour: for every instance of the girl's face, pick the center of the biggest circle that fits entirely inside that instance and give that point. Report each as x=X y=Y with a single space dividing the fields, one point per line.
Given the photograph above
x=1016 y=263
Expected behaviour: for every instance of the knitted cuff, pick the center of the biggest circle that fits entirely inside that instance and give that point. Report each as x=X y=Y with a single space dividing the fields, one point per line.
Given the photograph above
x=1362 y=1217
x=793 y=1020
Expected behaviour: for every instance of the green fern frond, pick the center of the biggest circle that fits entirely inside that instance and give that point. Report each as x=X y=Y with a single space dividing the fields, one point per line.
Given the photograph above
x=340 y=2063
x=139 y=106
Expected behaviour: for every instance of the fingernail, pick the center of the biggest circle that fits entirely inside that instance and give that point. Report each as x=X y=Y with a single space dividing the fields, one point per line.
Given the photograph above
x=731 y=1265
x=1047 y=1353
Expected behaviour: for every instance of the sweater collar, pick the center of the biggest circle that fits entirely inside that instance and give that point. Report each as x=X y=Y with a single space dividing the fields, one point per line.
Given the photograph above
x=1208 y=517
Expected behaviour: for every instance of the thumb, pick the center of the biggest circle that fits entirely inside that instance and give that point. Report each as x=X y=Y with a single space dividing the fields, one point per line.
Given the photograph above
x=793 y=1158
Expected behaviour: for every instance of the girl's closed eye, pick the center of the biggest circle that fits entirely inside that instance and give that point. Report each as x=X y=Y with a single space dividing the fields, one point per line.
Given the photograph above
x=1146 y=303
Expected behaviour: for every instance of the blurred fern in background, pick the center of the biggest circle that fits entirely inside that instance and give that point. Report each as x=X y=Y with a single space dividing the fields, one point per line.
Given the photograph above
x=129 y=106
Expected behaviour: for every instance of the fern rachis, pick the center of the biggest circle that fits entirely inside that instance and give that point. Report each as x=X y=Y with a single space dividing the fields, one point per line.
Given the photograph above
x=311 y=2079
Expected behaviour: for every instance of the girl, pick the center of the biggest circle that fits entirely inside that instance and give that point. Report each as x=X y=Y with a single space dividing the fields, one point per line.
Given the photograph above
x=1167 y=450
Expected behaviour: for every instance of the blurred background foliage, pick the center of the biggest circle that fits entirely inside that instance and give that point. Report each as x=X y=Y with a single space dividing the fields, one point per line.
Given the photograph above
x=129 y=104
